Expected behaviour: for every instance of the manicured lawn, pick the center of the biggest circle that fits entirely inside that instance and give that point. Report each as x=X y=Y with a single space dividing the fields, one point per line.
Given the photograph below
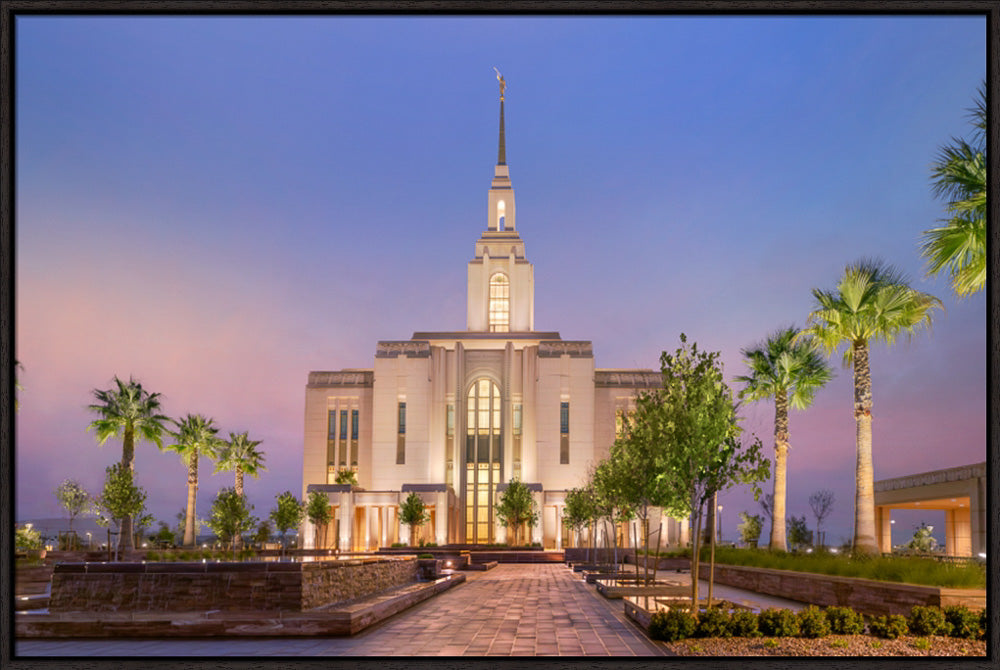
x=907 y=569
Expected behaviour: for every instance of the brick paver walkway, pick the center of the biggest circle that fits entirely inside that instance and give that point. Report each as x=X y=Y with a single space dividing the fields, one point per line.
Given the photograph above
x=514 y=609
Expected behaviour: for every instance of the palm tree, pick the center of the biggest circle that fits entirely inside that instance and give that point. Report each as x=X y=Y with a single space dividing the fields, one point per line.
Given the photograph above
x=128 y=411
x=240 y=454
x=871 y=301
x=195 y=437
x=959 y=176
x=789 y=370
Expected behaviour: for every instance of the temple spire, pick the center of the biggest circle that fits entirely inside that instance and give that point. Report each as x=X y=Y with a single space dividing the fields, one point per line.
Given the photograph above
x=501 y=148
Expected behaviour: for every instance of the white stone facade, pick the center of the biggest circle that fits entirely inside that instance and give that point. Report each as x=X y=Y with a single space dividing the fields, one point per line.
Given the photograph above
x=452 y=415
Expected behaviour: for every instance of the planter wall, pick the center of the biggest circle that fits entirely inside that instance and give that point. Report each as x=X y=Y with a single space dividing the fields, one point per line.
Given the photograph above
x=867 y=596
x=200 y=587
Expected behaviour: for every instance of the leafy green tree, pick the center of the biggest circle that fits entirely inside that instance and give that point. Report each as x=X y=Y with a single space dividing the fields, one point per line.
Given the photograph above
x=74 y=498
x=319 y=514
x=872 y=301
x=611 y=497
x=346 y=477
x=286 y=515
x=414 y=514
x=121 y=499
x=230 y=517
x=263 y=533
x=694 y=418
x=27 y=538
x=164 y=536
x=128 y=411
x=789 y=370
x=194 y=438
x=240 y=455
x=141 y=525
x=580 y=510
x=516 y=508
x=750 y=528
x=922 y=539
x=798 y=533
x=958 y=174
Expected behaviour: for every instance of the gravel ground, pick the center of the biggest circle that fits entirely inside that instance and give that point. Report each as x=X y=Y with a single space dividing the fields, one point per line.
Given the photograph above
x=832 y=645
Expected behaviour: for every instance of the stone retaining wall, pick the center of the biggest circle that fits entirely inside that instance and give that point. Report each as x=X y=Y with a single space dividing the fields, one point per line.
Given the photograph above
x=868 y=596
x=226 y=586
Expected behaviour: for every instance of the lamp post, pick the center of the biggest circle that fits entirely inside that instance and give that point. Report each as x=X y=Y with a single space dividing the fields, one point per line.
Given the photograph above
x=719 y=523
x=89 y=544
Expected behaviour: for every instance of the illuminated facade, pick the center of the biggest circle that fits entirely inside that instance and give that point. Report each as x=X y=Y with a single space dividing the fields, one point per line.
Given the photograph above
x=455 y=415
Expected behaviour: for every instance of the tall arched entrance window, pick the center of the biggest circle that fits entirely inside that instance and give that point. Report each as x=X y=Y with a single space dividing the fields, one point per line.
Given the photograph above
x=499 y=315
x=483 y=454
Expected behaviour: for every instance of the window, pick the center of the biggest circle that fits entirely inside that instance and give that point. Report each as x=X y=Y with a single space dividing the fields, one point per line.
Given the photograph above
x=401 y=435
x=517 y=441
x=331 y=444
x=354 y=437
x=499 y=304
x=343 y=437
x=483 y=455
x=564 y=433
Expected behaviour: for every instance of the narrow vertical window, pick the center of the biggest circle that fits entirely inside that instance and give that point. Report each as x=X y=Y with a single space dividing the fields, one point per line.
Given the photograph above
x=401 y=435
x=343 y=438
x=449 y=474
x=499 y=310
x=331 y=444
x=354 y=437
x=517 y=441
x=564 y=433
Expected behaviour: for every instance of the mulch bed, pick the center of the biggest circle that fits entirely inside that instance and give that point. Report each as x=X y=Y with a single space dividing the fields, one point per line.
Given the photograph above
x=832 y=645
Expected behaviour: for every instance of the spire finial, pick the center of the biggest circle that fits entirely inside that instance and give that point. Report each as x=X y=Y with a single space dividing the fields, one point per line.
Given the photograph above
x=501 y=149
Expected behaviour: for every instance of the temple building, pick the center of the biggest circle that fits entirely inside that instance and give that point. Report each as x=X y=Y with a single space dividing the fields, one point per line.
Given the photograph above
x=455 y=415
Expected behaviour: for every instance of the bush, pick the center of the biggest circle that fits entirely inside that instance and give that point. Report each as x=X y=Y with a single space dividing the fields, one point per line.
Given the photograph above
x=672 y=625
x=397 y=544
x=743 y=623
x=778 y=623
x=889 y=627
x=928 y=621
x=964 y=623
x=982 y=624
x=713 y=622
x=844 y=621
x=425 y=555
x=813 y=623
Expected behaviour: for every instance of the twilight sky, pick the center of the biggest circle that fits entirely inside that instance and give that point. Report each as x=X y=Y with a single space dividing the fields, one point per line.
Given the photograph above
x=218 y=205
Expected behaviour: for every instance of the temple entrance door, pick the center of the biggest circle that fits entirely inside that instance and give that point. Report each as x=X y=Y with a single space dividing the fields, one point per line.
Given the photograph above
x=483 y=455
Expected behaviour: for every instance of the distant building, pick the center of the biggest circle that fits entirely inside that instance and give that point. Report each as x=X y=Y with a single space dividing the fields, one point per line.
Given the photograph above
x=455 y=415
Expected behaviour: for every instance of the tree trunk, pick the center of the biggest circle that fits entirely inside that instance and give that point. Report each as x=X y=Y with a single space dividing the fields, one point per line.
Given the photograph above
x=864 y=499
x=192 y=481
x=711 y=560
x=128 y=460
x=238 y=540
x=778 y=531
x=695 y=537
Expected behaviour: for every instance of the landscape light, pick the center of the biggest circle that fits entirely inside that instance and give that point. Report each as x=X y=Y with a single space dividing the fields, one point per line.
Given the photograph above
x=982 y=554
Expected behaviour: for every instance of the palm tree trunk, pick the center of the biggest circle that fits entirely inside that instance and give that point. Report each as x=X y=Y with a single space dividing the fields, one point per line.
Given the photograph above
x=238 y=539
x=864 y=499
x=128 y=460
x=778 y=531
x=189 y=537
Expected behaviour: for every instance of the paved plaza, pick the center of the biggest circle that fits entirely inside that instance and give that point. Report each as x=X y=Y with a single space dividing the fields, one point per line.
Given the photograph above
x=512 y=610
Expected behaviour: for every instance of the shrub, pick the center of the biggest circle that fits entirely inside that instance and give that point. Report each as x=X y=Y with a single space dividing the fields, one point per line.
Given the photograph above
x=713 y=622
x=928 y=621
x=889 y=627
x=743 y=623
x=982 y=624
x=813 y=623
x=778 y=623
x=672 y=625
x=844 y=621
x=964 y=623
x=425 y=555
x=398 y=544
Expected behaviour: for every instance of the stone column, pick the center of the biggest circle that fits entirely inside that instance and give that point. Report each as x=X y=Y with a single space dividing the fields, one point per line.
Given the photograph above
x=883 y=528
x=559 y=526
x=441 y=517
x=539 y=531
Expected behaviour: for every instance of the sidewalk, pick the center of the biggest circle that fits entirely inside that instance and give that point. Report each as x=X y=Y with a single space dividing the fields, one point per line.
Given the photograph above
x=512 y=610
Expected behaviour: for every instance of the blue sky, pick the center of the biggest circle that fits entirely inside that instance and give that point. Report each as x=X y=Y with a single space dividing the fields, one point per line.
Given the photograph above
x=218 y=205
